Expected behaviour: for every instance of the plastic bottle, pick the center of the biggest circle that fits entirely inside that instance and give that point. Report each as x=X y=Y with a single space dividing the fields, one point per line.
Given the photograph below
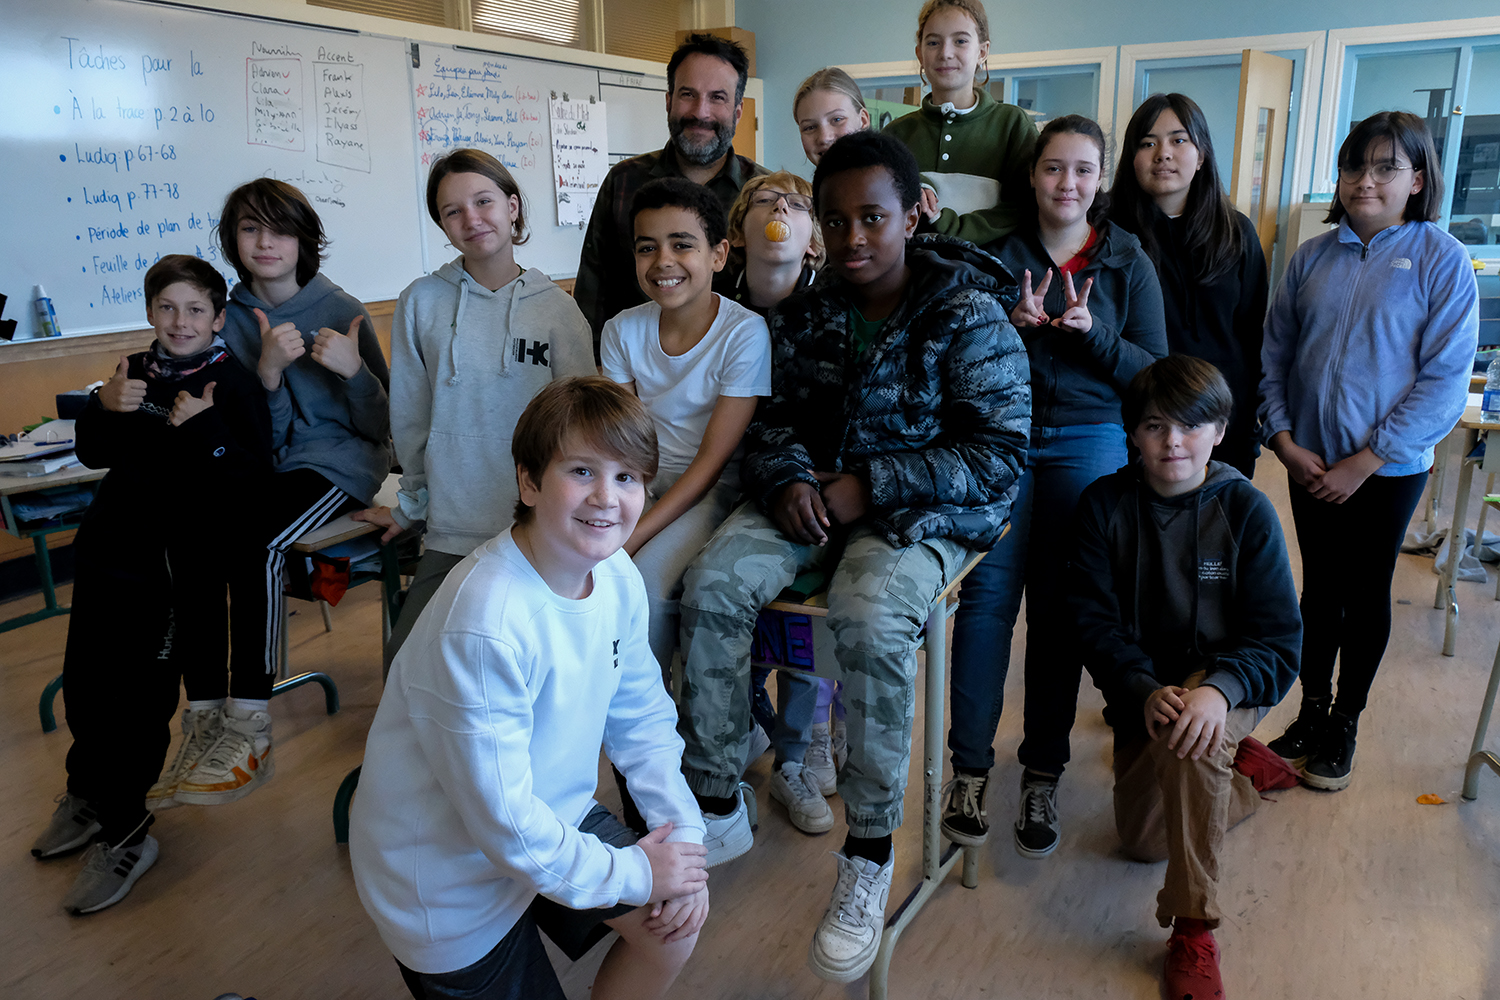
x=1490 y=408
x=46 y=316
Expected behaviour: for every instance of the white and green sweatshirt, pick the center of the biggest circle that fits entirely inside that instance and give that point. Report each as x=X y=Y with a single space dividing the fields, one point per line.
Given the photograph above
x=978 y=161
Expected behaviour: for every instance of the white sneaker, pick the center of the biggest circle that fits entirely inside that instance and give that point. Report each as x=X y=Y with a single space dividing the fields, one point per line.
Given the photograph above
x=200 y=728
x=844 y=945
x=794 y=787
x=727 y=837
x=237 y=763
x=819 y=760
x=840 y=742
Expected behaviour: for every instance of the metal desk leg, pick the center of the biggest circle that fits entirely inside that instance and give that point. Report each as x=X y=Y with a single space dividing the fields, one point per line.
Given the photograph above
x=1447 y=583
x=49 y=589
x=44 y=709
x=936 y=863
x=1479 y=757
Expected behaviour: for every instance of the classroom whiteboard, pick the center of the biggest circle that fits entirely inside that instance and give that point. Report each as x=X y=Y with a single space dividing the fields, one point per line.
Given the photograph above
x=498 y=103
x=127 y=124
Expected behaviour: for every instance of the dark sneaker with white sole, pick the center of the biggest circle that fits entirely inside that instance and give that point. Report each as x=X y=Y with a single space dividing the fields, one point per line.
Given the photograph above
x=1331 y=766
x=1304 y=734
x=964 y=819
x=1037 y=830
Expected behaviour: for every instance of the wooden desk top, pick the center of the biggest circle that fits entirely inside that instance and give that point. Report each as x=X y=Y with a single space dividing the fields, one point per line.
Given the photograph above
x=62 y=477
x=1471 y=421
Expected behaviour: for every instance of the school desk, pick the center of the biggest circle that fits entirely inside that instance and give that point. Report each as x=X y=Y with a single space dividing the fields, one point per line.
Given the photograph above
x=1468 y=431
x=936 y=861
x=1479 y=757
x=12 y=488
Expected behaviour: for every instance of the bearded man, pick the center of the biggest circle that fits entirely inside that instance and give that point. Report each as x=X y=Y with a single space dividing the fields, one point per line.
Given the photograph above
x=705 y=87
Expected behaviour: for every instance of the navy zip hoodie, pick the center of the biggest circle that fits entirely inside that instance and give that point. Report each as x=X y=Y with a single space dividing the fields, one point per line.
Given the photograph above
x=1077 y=378
x=1162 y=587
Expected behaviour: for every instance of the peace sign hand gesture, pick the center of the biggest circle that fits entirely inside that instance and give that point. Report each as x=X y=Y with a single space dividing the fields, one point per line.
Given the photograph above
x=1076 y=316
x=1029 y=311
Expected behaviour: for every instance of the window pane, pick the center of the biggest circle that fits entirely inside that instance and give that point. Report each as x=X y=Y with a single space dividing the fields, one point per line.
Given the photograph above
x=1055 y=95
x=421 y=11
x=1217 y=91
x=1419 y=82
x=559 y=22
x=1476 y=190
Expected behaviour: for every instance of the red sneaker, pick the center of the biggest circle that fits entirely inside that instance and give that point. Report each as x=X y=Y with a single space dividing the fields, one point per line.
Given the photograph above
x=1263 y=766
x=1192 y=967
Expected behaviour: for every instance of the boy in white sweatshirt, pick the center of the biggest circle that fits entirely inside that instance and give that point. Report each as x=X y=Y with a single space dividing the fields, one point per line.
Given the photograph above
x=475 y=825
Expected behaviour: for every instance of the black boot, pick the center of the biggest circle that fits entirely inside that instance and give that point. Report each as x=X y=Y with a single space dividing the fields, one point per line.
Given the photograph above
x=1305 y=734
x=1332 y=763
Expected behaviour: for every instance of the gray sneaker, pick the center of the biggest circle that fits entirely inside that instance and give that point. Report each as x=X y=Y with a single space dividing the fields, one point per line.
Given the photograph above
x=108 y=873
x=73 y=824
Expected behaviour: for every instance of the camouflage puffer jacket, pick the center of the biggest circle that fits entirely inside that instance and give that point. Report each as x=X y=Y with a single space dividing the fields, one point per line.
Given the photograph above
x=935 y=414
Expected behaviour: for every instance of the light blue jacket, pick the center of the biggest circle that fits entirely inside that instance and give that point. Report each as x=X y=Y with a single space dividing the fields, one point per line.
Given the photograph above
x=1371 y=345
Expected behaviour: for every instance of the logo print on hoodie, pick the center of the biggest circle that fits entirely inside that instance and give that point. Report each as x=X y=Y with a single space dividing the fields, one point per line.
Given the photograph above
x=537 y=351
x=617 y=654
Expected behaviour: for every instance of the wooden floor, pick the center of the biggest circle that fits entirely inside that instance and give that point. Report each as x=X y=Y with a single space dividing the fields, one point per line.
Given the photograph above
x=1357 y=894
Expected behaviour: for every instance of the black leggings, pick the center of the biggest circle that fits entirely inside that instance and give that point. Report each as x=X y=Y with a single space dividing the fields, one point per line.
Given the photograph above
x=1348 y=559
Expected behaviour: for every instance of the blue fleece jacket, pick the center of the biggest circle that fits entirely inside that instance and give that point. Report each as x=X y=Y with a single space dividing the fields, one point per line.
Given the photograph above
x=1371 y=345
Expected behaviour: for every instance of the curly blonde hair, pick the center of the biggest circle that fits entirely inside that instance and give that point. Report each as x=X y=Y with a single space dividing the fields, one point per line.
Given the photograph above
x=781 y=180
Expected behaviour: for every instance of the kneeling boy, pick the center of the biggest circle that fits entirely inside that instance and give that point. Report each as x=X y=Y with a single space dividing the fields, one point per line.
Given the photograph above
x=475 y=825
x=895 y=432
x=1189 y=625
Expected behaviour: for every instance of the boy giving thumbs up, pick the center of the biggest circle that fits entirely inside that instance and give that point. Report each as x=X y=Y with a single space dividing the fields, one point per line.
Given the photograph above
x=185 y=433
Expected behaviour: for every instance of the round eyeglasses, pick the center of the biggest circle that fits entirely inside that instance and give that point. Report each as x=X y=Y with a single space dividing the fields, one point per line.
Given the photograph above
x=767 y=198
x=1383 y=173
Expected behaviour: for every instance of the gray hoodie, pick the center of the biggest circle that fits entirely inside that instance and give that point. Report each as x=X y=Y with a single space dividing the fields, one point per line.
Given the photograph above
x=336 y=427
x=465 y=361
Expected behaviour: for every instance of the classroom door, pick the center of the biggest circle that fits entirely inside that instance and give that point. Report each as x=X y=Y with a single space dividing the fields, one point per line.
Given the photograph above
x=1260 y=140
x=744 y=134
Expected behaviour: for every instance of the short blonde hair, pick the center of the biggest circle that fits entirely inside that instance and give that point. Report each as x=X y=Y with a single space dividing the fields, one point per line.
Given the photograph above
x=834 y=79
x=781 y=180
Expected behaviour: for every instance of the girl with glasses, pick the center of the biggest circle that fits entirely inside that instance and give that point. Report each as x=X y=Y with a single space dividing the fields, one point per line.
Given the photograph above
x=1369 y=343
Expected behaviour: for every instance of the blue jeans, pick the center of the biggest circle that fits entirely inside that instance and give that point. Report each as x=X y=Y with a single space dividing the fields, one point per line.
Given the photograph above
x=1032 y=557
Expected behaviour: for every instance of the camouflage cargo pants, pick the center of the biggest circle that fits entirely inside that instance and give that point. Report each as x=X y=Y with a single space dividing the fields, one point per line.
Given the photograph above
x=878 y=599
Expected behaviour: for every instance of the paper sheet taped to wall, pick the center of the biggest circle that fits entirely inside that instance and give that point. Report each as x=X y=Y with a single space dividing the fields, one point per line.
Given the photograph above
x=580 y=157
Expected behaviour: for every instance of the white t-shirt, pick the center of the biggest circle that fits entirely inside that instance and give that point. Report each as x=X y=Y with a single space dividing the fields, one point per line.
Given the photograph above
x=732 y=359
x=484 y=757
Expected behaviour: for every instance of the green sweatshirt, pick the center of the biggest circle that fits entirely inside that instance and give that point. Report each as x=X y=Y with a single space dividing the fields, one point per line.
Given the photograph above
x=989 y=153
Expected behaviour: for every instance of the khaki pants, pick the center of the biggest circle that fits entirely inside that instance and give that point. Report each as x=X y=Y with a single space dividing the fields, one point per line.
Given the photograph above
x=1179 y=810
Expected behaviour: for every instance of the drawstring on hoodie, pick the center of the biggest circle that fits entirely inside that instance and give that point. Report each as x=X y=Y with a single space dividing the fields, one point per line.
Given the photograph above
x=458 y=317
x=516 y=288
